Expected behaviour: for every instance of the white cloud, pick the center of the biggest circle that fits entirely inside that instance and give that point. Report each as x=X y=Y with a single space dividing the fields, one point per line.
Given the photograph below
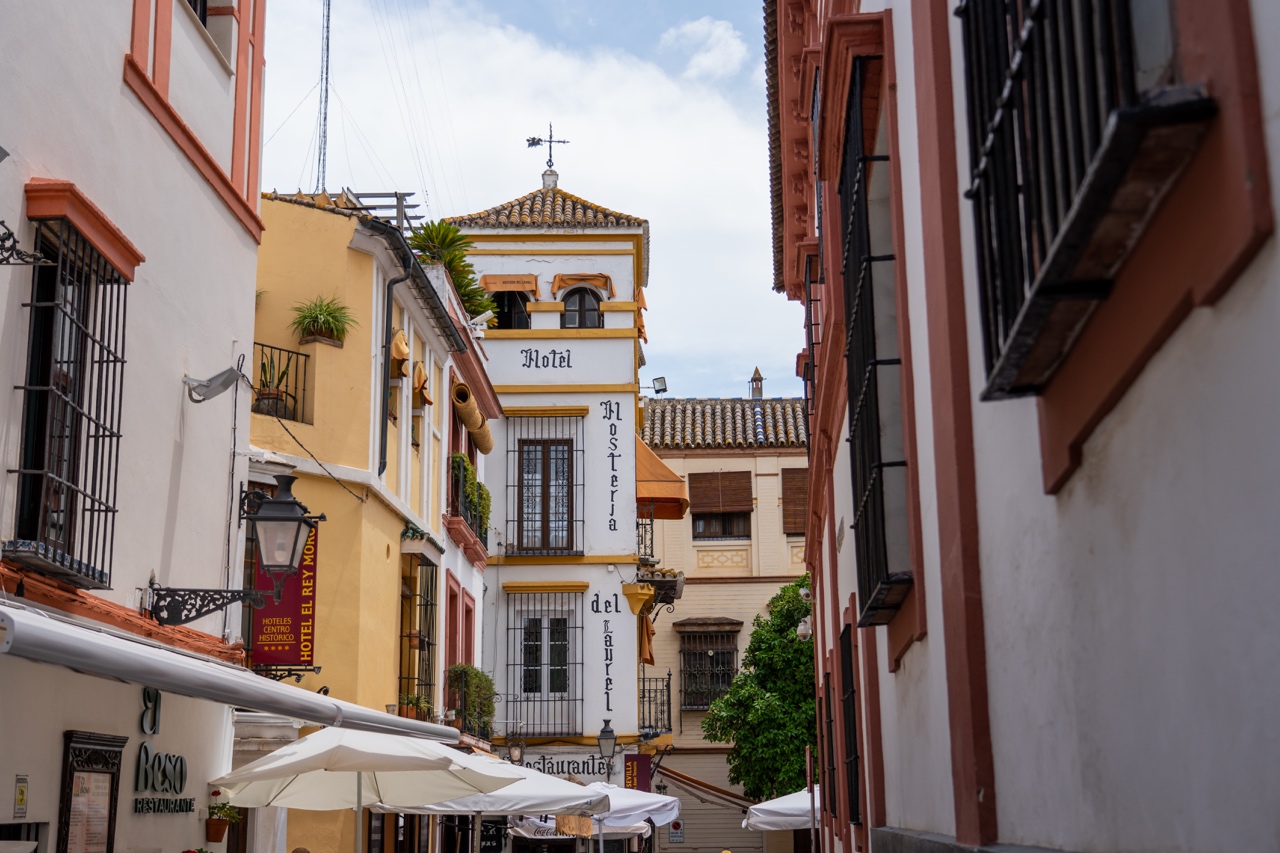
x=717 y=49
x=451 y=116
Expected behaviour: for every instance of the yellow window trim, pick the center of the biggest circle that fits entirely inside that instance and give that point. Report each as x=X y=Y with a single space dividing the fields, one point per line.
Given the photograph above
x=522 y=334
x=551 y=252
x=516 y=587
x=588 y=560
x=546 y=411
x=617 y=306
x=552 y=307
x=562 y=389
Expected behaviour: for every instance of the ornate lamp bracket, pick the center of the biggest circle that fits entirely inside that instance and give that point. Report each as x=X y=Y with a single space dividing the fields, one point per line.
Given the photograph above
x=179 y=606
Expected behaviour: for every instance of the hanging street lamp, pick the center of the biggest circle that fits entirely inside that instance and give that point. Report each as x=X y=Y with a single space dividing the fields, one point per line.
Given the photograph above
x=280 y=527
x=607 y=741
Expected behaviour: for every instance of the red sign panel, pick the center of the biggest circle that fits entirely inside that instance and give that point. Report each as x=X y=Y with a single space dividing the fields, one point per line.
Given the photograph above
x=636 y=771
x=284 y=632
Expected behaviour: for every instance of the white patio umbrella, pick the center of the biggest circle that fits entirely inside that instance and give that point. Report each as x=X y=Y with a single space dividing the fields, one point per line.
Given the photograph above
x=535 y=827
x=628 y=806
x=536 y=793
x=793 y=811
x=337 y=768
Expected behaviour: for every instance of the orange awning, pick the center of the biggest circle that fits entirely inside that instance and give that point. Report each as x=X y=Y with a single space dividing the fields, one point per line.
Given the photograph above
x=659 y=486
x=595 y=279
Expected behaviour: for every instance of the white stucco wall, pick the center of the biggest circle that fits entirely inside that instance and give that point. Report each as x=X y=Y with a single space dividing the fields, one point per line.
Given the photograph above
x=190 y=310
x=1133 y=654
x=33 y=747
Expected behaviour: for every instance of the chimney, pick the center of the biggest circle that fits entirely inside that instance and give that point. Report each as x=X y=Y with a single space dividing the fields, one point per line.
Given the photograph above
x=549 y=179
x=757 y=385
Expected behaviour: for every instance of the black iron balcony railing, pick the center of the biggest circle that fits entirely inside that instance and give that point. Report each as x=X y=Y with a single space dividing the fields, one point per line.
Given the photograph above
x=280 y=387
x=644 y=540
x=462 y=506
x=461 y=699
x=655 y=706
x=1078 y=124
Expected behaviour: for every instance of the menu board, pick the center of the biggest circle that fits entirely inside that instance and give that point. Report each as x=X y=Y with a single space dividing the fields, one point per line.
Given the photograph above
x=89 y=829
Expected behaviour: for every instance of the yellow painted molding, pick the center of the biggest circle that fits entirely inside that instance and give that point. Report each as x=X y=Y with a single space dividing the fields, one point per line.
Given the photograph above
x=550 y=307
x=546 y=411
x=617 y=306
x=589 y=560
x=557 y=334
x=515 y=587
x=567 y=389
x=551 y=252
x=638 y=595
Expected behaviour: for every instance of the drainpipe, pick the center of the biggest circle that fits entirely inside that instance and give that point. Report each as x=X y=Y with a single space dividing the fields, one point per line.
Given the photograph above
x=386 y=365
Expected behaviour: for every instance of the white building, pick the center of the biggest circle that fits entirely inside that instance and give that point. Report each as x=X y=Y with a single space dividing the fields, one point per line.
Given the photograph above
x=1037 y=247
x=130 y=133
x=562 y=636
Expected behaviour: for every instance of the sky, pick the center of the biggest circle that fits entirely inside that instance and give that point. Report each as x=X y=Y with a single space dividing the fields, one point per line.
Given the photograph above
x=663 y=105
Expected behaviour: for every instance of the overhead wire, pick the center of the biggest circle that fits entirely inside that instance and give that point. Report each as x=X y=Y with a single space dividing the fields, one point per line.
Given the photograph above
x=290 y=115
x=390 y=57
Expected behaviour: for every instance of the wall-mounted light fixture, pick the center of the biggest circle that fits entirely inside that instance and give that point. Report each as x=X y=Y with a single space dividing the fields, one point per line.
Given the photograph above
x=607 y=741
x=280 y=525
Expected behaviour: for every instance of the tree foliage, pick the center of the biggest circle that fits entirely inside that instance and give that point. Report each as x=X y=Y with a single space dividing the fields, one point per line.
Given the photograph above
x=445 y=244
x=770 y=711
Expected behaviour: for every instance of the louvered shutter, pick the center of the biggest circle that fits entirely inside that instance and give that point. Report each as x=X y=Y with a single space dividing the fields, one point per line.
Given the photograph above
x=795 y=499
x=720 y=491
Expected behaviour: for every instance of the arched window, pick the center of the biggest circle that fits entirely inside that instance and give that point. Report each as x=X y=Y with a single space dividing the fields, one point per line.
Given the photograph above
x=581 y=309
x=512 y=312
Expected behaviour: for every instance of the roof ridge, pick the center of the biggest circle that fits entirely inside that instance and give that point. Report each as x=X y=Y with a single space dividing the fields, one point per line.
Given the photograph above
x=548 y=206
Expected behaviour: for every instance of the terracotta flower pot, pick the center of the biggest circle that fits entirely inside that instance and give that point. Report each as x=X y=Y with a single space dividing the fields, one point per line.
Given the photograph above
x=215 y=828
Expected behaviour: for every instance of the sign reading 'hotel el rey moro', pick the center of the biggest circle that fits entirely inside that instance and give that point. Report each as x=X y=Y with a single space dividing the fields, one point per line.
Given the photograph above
x=284 y=631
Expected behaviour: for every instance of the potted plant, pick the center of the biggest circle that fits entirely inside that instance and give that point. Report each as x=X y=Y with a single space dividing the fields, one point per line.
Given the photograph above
x=221 y=815
x=273 y=374
x=323 y=319
x=412 y=705
x=472 y=696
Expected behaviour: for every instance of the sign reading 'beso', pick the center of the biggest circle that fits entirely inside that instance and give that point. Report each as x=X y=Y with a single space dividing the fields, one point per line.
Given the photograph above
x=284 y=632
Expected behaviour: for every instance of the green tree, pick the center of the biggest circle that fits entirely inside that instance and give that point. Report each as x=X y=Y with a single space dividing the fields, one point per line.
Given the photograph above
x=769 y=713
x=445 y=244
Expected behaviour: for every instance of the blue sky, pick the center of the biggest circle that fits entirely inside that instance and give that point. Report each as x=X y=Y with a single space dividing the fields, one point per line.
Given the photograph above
x=663 y=103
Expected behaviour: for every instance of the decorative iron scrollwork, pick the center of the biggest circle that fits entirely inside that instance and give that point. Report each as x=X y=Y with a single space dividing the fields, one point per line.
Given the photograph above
x=12 y=255
x=280 y=673
x=180 y=606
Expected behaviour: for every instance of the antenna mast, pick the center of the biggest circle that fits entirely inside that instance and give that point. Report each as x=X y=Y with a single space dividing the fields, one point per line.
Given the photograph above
x=322 y=153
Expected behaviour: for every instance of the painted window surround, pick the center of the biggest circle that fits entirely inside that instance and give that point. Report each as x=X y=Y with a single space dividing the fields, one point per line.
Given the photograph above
x=146 y=73
x=847 y=37
x=1211 y=224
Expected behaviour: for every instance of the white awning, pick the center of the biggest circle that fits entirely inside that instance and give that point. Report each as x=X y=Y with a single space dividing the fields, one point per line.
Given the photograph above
x=793 y=811
x=46 y=638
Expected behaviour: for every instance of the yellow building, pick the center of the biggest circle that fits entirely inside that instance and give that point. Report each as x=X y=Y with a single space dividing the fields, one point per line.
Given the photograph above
x=401 y=556
x=745 y=462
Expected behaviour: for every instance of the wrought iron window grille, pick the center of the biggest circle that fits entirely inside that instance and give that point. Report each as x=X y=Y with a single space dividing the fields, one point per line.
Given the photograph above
x=1074 y=139
x=874 y=385
x=418 y=646
x=543 y=688
x=708 y=664
x=655 y=705
x=545 y=486
x=69 y=458
x=848 y=704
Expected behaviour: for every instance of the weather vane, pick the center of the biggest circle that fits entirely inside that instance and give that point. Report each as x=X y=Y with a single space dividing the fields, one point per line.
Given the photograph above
x=536 y=141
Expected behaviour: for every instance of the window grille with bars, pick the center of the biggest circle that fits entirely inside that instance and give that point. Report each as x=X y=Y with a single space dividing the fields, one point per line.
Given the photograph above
x=873 y=369
x=849 y=708
x=829 y=799
x=708 y=663
x=1076 y=128
x=418 y=612
x=544 y=662
x=544 y=485
x=70 y=452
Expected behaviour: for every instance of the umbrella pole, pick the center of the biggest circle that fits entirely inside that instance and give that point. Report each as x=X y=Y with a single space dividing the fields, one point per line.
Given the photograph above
x=359 y=807
x=475 y=833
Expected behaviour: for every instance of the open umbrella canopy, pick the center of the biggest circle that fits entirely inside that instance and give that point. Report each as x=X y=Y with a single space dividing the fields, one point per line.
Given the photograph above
x=628 y=806
x=536 y=827
x=337 y=768
x=536 y=793
x=794 y=811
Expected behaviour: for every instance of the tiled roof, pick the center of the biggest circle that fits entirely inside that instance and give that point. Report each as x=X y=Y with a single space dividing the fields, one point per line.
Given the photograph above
x=548 y=207
x=724 y=423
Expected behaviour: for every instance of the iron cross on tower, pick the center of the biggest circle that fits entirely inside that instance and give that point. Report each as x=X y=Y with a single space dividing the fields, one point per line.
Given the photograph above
x=536 y=141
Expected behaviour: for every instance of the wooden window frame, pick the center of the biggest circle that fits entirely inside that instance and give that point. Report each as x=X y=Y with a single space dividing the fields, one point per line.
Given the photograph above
x=544 y=540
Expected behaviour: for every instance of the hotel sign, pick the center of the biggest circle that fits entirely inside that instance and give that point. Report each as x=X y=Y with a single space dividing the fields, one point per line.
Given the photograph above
x=284 y=631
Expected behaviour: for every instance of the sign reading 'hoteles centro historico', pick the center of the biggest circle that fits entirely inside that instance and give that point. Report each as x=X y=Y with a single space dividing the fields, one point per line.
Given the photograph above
x=284 y=631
